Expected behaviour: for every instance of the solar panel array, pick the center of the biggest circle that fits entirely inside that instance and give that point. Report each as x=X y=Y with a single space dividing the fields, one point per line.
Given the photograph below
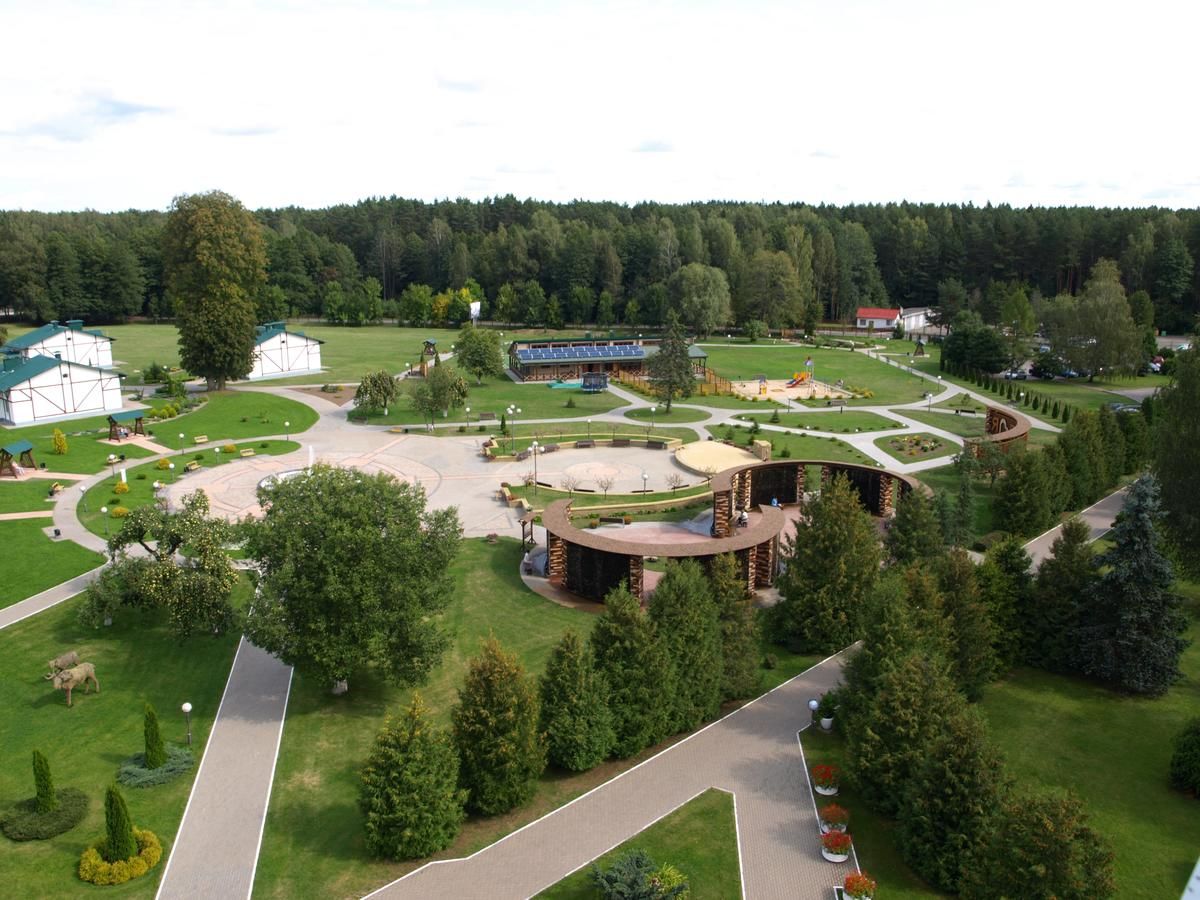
x=550 y=354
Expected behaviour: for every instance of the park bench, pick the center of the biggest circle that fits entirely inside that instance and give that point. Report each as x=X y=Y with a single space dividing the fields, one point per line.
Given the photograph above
x=549 y=448
x=838 y=402
x=200 y=439
x=656 y=445
x=522 y=456
x=192 y=466
x=612 y=520
x=620 y=442
x=249 y=451
x=584 y=445
x=487 y=417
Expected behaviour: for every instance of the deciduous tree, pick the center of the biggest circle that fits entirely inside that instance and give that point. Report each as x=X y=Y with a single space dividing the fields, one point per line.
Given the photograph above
x=478 y=351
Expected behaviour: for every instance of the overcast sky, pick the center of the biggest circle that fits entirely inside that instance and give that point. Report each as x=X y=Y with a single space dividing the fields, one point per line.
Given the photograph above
x=112 y=105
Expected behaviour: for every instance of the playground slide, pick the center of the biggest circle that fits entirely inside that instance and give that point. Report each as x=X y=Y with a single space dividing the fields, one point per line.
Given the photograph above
x=798 y=378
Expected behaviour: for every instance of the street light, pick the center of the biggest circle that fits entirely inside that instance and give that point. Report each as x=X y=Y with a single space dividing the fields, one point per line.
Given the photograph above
x=589 y=429
x=287 y=432
x=104 y=512
x=171 y=469
x=653 y=410
x=181 y=443
x=928 y=401
x=112 y=464
x=812 y=706
x=468 y=412
x=645 y=487
x=534 y=448
x=83 y=493
x=187 y=712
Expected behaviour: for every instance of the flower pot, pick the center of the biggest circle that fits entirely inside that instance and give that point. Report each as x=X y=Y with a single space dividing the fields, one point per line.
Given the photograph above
x=826 y=791
x=827 y=724
x=826 y=827
x=834 y=857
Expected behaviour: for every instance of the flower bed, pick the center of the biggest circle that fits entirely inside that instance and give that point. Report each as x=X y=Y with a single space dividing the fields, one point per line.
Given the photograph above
x=825 y=779
x=93 y=868
x=859 y=886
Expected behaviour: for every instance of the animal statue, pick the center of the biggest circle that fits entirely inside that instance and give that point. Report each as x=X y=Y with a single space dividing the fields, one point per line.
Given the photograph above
x=73 y=678
x=65 y=661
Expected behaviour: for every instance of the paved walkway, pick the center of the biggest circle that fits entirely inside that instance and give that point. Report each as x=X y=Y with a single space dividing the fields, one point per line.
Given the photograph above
x=215 y=853
x=13 y=614
x=1099 y=517
x=751 y=753
x=32 y=514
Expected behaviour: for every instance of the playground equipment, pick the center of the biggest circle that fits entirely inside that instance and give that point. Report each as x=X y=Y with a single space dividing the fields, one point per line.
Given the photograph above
x=799 y=378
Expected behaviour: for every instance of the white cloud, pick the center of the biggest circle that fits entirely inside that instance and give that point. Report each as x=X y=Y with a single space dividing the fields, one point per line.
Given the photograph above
x=130 y=103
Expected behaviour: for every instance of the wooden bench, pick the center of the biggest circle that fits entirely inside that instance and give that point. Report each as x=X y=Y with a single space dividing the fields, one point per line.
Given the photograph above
x=656 y=445
x=487 y=417
x=249 y=451
x=835 y=403
x=192 y=466
x=522 y=456
x=549 y=448
x=584 y=445
x=200 y=439
x=612 y=520
x=620 y=442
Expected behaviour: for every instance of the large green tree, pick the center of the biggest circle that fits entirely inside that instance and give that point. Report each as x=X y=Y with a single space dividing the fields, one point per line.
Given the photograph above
x=376 y=391
x=215 y=261
x=495 y=725
x=670 y=368
x=409 y=794
x=739 y=628
x=1095 y=330
x=576 y=718
x=700 y=293
x=1176 y=457
x=478 y=351
x=353 y=572
x=914 y=534
x=1065 y=585
x=685 y=617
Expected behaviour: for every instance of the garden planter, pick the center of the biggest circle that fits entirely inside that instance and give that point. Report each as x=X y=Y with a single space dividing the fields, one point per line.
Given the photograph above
x=826 y=791
x=834 y=857
x=827 y=827
x=827 y=724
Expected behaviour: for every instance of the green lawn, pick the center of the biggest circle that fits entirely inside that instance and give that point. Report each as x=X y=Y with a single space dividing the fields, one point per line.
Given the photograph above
x=960 y=401
x=601 y=431
x=944 y=479
x=726 y=401
x=138 y=660
x=1113 y=750
x=915 y=446
x=85 y=454
x=235 y=415
x=888 y=384
x=35 y=562
x=547 y=495
x=25 y=496
x=677 y=414
x=800 y=446
x=699 y=839
x=141 y=482
x=963 y=426
x=844 y=420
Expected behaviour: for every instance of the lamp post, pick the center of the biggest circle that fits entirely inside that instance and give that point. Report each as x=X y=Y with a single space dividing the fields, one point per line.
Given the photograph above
x=181 y=443
x=171 y=469
x=112 y=464
x=589 y=429
x=467 y=410
x=928 y=401
x=512 y=434
x=653 y=410
x=287 y=431
x=534 y=448
x=187 y=712
x=83 y=494
x=104 y=512
x=812 y=707
x=645 y=486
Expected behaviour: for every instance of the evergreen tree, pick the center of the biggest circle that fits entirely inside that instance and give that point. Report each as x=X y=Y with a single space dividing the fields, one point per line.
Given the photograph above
x=1039 y=846
x=1131 y=630
x=954 y=790
x=1005 y=587
x=1176 y=444
x=832 y=563
x=46 y=798
x=670 y=368
x=1023 y=497
x=914 y=534
x=638 y=673
x=409 y=793
x=972 y=630
x=495 y=724
x=684 y=614
x=119 y=842
x=739 y=628
x=1185 y=759
x=961 y=511
x=1065 y=585
x=575 y=717
x=156 y=751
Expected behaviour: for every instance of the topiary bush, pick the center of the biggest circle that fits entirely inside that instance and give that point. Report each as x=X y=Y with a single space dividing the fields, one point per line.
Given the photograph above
x=49 y=812
x=1185 y=761
x=121 y=487
x=94 y=869
x=155 y=754
x=119 y=842
x=135 y=773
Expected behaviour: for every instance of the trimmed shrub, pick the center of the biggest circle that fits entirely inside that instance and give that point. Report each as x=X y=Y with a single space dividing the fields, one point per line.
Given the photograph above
x=135 y=773
x=45 y=801
x=119 y=843
x=634 y=875
x=24 y=823
x=58 y=443
x=1185 y=761
x=121 y=487
x=94 y=869
x=229 y=448
x=163 y=464
x=155 y=754
x=118 y=512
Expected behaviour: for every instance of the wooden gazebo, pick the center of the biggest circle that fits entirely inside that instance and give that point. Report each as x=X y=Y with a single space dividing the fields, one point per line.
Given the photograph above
x=132 y=421
x=21 y=452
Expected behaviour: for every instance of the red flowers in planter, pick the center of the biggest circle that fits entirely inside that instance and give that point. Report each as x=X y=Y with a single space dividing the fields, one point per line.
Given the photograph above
x=836 y=841
x=825 y=776
x=859 y=885
x=832 y=814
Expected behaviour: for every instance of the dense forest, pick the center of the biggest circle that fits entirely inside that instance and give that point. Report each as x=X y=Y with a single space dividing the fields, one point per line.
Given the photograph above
x=540 y=263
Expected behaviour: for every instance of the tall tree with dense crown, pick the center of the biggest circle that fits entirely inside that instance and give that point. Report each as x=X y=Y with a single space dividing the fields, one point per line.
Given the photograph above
x=353 y=572
x=739 y=628
x=1176 y=457
x=1065 y=585
x=670 y=368
x=685 y=617
x=914 y=534
x=495 y=725
x=701 y=295
x=409 y=793
x=478 y=351
x=576 y=719
x=215 y=262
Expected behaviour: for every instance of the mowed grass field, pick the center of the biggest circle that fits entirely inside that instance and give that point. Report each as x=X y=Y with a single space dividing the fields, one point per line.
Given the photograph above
x=233 y=415
x=85 y=454
x=25 y=496
x=137 y=661
x=34 y=562
x=799 y=446
x=846 y=421
x=699 y=839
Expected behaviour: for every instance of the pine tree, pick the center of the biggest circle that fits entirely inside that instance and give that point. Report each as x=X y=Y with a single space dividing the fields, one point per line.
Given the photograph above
x=119 y=843
x=575 y=716
x=46 y=798
x=954 y=790
x=156 y=751
x=832 y=563
x=638 y=673
x=1176 y=439
x=1023 y=496
x=914 y=533
x=1040 y=846
x=1065 y=584
x=670 y=368
x=1005 y=587
x=740 y=639
x=409 y=793
x=972 y=629
x=962 y=511
x=1055 y=410
x=495 y=724
x=1131 y=630
x=684 y=614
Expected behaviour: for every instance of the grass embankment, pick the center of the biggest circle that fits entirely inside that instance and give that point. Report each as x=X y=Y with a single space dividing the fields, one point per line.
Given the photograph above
x=141 y=482
x=845 y=421
x=36 y=562
x=916 y=446
x=699 y=839
x=138 y=661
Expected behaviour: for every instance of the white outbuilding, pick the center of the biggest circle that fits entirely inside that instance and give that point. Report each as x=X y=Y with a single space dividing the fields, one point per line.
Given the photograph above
x=45 y=388
x=71 y=342
x=279 y=352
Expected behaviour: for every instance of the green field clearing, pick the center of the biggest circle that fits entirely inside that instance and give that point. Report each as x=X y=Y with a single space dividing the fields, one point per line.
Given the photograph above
x=801 y=446
x=234 y=415
x=138 y=660
x=544 y=496
x=677 y=414
x=699 y=839
x=36 y=562
x=85 y=454
x=963 y=426
x=960 y=401
x=844 y=420
x=26 y=496
x=600 y=432
x=912 y=446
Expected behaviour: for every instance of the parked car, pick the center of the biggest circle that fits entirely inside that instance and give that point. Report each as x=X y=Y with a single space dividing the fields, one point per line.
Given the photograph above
x=1016 y=375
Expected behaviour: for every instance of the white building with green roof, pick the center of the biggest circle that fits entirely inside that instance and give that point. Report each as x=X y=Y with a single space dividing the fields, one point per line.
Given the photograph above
x=45 y=388
x=71 y=342
x=279 y=353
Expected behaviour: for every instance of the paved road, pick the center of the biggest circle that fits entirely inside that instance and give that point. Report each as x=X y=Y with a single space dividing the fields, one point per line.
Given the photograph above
x=215 y=853
x=752 y=753
x=1099 y=518
x=11 y=615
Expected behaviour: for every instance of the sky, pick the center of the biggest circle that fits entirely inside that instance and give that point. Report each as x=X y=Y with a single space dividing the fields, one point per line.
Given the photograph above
x=121 y=104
